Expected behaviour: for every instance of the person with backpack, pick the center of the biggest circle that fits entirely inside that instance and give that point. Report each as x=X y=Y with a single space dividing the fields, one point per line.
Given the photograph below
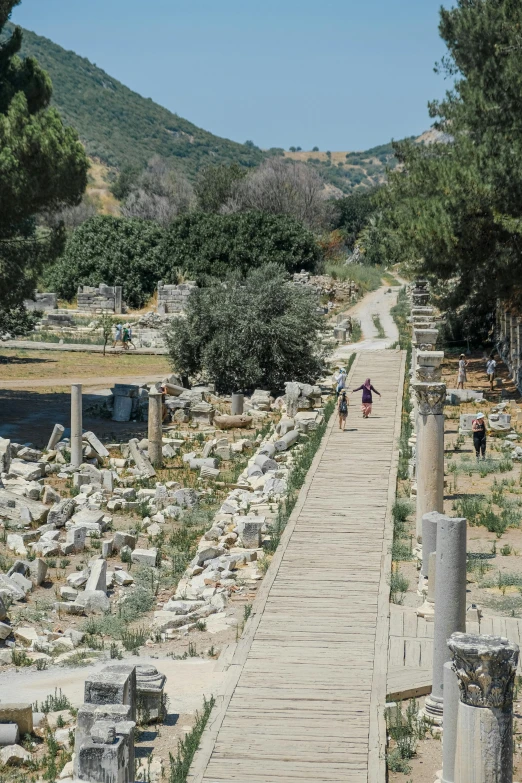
x=342 y=408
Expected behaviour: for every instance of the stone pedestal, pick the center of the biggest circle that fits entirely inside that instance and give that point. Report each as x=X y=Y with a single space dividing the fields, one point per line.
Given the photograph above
x=486 y=668
x=450 y=603
x=237 y=404
x=155 y=431
x=150 y=686
x=76 y=425
x=449 y=723
x=430 y=449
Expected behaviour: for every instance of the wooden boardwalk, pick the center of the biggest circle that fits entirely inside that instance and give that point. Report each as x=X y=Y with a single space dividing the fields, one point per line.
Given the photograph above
x=410 y=648
x=305 y=690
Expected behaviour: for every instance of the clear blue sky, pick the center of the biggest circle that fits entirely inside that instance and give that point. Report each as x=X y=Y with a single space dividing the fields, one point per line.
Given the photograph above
x=342 y=74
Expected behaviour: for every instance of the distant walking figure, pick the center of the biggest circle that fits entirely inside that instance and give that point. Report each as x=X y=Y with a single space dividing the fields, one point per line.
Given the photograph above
x=342 y=407
x=461 y=376
x=118 y=335
x=490 y=370
x=341 y=381
x=478 y=427
x=367 y=399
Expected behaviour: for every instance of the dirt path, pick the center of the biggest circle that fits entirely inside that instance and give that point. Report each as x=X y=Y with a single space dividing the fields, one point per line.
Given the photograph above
x=377 y=303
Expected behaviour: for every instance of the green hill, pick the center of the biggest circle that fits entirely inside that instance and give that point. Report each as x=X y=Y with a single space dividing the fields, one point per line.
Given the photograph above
x=120 y=127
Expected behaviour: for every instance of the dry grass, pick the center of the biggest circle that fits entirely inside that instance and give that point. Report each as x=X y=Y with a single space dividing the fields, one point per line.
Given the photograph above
x=98 y=190
x=27 y=365
x=335 y=157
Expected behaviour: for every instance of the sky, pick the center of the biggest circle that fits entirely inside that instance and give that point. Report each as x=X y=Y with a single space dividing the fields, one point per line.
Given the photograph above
x=339 y=74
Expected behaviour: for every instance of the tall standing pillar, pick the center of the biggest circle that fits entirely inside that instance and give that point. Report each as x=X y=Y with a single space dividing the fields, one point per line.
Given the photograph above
x=486 y=668
x=76 y=425
x=449 y=723
x=155 y=430
x=450 y=603
x=423 y=340
x=430 y=449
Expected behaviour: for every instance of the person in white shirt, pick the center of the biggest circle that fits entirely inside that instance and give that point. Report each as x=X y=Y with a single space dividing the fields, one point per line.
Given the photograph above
x=461 y=375
x=490 y=371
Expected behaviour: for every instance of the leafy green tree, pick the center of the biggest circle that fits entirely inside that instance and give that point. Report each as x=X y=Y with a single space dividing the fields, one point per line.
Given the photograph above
x=454 y=207
x=125 y=181
x=352 y=214
x=215 y=185
x=43 y=167
x=110 y=250
x=203 y=244
x=242 y=334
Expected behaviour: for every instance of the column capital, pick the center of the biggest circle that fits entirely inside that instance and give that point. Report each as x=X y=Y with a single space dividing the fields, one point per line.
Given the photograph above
x=430 y=397
x=486 y=668
x=425 y=339
x=429 y=366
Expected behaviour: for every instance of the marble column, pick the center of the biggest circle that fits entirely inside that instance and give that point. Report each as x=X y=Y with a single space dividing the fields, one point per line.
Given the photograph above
x=449 y=723
x=423 y=340
x=429 y=538
x=155 y=431
x=430 y=398
x=486 y=668
x=450 y=603
x=237 y=404
x=76 y=425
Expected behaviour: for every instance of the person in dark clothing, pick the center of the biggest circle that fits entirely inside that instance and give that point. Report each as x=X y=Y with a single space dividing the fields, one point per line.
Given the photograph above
x=342 y=408
x=367 y=398
x=478 y=427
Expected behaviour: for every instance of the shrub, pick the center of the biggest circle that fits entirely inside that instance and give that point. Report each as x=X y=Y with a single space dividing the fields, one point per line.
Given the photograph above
x=205 y=244
x=241 y=335
x=111 y=250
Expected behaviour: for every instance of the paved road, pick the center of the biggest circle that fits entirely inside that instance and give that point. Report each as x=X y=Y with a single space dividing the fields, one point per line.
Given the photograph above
x=304 y=696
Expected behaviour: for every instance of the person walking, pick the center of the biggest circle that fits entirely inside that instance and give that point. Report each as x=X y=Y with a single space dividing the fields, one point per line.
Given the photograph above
x=478 y=427
x=126 y=338
x=129 y=340
x=117 y=335
x=461 y=374
x=340 y=381
x=367 y=399
x=342 y=409
x=491 y=366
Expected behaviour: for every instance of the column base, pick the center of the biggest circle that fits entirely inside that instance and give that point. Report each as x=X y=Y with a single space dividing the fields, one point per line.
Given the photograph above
x=427 y=610
x=433 y=710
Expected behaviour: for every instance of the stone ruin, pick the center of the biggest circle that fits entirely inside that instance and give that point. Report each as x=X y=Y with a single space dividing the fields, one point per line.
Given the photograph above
x=105 y=298
x=43 y=302
x=343 y=328
x=104 y=741
x=324 y=285
x=174 y=298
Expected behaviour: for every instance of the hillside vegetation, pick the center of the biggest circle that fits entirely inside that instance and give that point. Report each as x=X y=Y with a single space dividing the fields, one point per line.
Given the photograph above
x=120 y=127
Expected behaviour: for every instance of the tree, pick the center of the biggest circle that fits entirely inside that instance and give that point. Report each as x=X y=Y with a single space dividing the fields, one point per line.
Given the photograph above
x=105 y=324
x=454 y=207
x=159 y=194
x=110 y=250
x=284 y=187
x=215 y=185
x=241 y=334
x=315 y=149
x=352 y=214
x=43 y=167
x=204 y=244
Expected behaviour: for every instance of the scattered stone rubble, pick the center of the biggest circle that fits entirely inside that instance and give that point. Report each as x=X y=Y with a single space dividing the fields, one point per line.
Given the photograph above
x=325 y=285
x=38 y=523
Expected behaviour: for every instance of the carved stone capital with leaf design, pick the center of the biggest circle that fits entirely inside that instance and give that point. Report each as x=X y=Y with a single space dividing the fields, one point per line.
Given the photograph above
x=430 y=398
x=486 y=668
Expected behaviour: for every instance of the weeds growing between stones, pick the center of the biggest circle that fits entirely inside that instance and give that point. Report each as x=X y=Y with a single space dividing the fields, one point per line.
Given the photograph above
x=180 y=765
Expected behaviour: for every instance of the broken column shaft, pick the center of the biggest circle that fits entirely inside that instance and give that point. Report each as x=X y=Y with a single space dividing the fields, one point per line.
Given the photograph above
x=155 y=433
x=450 y=603
x=76 y=425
